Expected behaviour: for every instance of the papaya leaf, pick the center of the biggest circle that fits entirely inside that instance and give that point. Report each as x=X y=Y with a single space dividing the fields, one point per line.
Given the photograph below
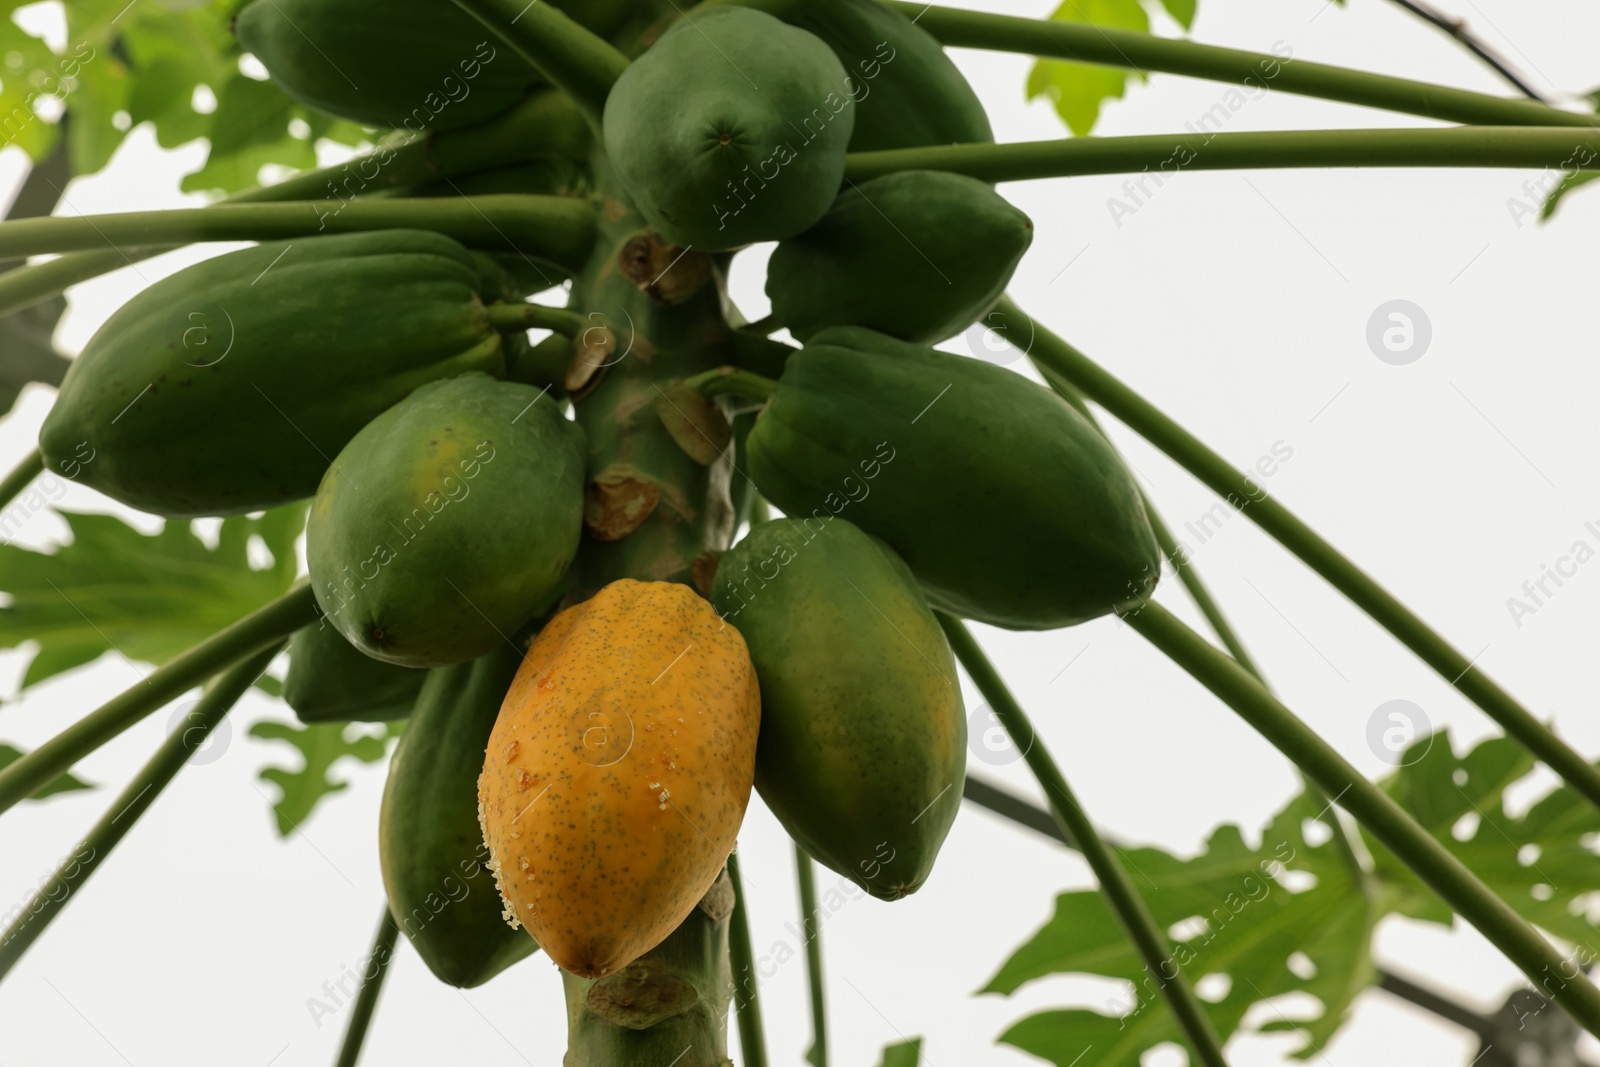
x=146 y=596
x=1076 y=90
x=321 y=747
x=1542 y=863
x=62 y=783
x=903 y=1054
x=1563 y=187
x=1256 y=923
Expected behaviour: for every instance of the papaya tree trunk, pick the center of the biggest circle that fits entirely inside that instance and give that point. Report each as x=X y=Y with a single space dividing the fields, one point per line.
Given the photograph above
x=656 y=508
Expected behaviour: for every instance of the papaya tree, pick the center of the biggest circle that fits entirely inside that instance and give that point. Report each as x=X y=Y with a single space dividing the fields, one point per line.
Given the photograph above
x=608 y=557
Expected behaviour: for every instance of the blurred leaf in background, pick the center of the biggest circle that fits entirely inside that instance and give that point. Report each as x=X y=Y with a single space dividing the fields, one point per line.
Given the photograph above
x=1077 y=90
x=321 y=747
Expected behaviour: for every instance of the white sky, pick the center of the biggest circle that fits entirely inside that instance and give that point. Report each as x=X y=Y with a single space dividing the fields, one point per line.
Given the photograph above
x=1240 y=304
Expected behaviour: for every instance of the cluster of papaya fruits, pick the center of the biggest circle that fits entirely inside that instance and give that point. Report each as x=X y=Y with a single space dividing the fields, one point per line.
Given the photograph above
x=590 y=753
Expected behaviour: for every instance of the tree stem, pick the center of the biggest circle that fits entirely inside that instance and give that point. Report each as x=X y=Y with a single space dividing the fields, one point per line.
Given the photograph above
x=554 y=228
x=576 y=61
x=806 y=872
x=1143 y=930
x=536 y=317
x=372 y=977
x=1250 y=499
x=1168 y=154
x=1430 y=861
x=75 y=870
x=263 y=627
x=1083 y=42
x=544 y=123
x=747 y=998
x=21 y=476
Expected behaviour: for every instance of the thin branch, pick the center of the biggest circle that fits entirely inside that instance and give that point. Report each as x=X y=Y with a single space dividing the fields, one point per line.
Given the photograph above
x=1526 y=147
x=576 y=61
x=1457 y=28
x=371 y=985
x=806 y=872
x=747 y=1002
x=73 y=873
x=263 y=627
x=1257 y=505
x=1378 y=812
x=21 y=476
x=1082 y=42
x=1146 y=934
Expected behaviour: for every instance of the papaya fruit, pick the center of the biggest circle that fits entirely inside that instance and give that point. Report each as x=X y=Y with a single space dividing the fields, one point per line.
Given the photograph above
x=731 y=129
x=330 y=680
x=448 y=521
x=435 y=865
x=227 y=386
x=863 y=744
x=919 y=255
x=1008 y=506
x=395 y=63
x=618 y=772
x=907 y=91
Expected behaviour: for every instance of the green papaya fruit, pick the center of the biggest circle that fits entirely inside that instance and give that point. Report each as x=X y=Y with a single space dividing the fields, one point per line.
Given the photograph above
x=399 y=63
x=227 y=386
x=907 y=91
x=731 y=129
x=1007 y=505
x=863 y=742
x=919 y=255
x=448 y=521
x=441 y=893
x=330 y=680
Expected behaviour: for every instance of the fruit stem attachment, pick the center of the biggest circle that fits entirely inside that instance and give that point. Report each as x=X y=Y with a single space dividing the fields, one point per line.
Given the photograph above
x=1562 y=150
x=541 y=124
x=1283 y=526
x=1141 y=926
x=514 y=317
x=579 y=63
x=1436 y=866
x=1082 y=42
x=21 y=476
x=747 y=990
x=264 y=627
x=806 y=872
x=554 y=228
x=74 y=871
x=724 y=381
x=371 y=985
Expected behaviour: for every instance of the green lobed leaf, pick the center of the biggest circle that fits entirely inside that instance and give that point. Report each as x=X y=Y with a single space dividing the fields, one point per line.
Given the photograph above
x=1077 y=90
x=903 y=1054
x=321 y=747
x=1543 y=864
x=147 y=596
x=62 y=783
x=1242 y=916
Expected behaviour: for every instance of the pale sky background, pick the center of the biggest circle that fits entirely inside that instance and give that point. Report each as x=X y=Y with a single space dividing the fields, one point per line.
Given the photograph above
x=1239 y=303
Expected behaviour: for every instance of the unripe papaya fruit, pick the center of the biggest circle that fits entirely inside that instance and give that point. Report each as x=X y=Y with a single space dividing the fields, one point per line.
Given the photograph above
x=330 y=680
x=907 y=91
x=448 y=521
x=731 y=129
x=227 y=386
x=918 y=254
x=435 y=865
x=1007 y=505
x=863 y=735
x=619 y=771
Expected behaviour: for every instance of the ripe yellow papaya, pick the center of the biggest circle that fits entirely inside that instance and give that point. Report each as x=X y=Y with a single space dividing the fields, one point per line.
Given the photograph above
x=448 y=521
x=917 y=255
x=863 y=744
x=618 y=772
x=435 y=866
x=225 y=387
x=330 y=680
x=731 y=129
